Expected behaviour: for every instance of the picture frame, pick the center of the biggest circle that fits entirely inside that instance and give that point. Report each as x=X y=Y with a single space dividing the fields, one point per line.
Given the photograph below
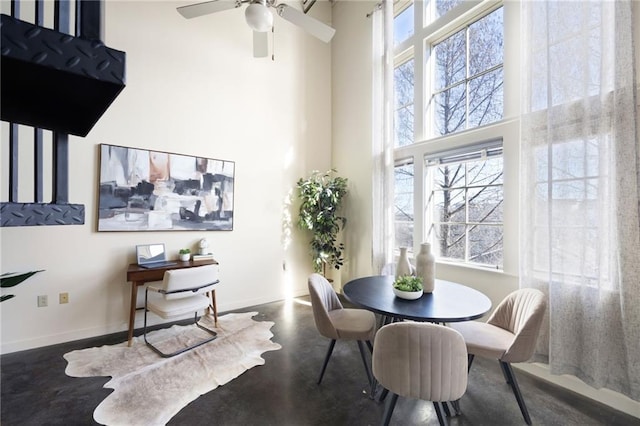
x=146 y=190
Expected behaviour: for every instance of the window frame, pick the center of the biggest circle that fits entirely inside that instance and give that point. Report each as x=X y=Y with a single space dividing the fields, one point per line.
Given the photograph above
x=506 y=129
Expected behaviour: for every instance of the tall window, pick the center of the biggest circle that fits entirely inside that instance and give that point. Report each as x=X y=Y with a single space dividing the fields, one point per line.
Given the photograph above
x=453 y=181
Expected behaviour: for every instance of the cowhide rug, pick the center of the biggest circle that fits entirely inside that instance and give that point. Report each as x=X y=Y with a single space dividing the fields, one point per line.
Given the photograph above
x=149 y=390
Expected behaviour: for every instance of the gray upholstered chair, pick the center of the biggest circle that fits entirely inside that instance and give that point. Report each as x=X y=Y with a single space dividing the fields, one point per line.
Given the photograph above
x=509 y=335
x=182 y=291
x=338 y=323
x=422 y=361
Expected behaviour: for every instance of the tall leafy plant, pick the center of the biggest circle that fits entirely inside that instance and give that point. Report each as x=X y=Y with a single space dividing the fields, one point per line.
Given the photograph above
x=321 y=196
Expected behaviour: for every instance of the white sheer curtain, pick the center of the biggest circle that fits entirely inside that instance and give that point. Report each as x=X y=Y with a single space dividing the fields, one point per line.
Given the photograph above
x=580 y=165
x=382 y=244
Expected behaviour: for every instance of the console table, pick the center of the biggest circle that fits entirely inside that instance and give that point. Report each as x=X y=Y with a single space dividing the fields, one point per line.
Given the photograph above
x=139 y=276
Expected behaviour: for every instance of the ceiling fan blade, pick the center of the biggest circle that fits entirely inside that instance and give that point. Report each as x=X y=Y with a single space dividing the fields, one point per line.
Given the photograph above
x=260 y=45
x=311 y=25
x=207 y=7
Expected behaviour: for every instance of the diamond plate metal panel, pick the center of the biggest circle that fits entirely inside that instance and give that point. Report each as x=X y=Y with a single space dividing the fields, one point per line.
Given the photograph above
x=40 y=214
x=56 y=81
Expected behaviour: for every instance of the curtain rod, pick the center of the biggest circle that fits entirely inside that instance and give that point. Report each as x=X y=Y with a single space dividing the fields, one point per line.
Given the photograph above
x=375 y=9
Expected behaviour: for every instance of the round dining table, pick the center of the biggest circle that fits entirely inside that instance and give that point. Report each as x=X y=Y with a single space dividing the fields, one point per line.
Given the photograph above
x=449 y=301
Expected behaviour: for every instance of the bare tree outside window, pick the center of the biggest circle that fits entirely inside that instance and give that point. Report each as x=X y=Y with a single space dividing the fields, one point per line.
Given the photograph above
x=403 y=78
x=467 y=200
x=469 y=85
x=443 y=6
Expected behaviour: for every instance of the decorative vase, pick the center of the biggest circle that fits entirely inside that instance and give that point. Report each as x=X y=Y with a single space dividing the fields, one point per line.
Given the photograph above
x=426 y=267
x=403 y=267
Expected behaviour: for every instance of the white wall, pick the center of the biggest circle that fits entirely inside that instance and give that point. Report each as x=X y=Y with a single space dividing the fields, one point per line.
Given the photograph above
x=193 y=88
x=352 y=129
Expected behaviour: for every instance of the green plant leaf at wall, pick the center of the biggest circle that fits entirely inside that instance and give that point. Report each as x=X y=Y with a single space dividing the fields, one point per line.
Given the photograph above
x=321 y=196
x=11 y=279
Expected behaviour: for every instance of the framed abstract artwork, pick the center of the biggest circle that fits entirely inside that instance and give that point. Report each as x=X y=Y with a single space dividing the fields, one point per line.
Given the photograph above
x=142 y=190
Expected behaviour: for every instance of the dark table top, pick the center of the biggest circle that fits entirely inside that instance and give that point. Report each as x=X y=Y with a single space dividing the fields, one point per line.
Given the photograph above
x=449 y=302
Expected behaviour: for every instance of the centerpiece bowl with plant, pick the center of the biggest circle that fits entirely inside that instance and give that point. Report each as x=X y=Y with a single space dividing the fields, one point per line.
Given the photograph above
x=408 y=287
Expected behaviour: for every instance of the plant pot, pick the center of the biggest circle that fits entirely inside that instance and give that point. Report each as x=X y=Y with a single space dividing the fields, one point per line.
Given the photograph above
x=408 y=295
x=185 y=257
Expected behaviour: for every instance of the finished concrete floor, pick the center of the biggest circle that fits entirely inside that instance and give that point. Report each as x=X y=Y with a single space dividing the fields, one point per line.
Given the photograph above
x=36 y=391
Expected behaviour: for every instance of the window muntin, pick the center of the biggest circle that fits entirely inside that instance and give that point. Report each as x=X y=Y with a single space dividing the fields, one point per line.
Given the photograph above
x=466 y=197
x=403 y=205
x=468 y=76
x=403 y=83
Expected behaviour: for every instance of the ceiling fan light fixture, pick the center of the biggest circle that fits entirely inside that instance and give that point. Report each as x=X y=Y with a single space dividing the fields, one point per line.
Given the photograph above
x=259 y=17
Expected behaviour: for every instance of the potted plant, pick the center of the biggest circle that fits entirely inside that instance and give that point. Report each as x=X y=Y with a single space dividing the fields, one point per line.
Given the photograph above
x=408 y=287
x=185 y=254
x=321 y=196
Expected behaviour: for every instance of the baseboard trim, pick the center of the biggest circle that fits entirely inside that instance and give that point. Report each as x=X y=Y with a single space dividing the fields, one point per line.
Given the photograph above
x=54 y=339
x=604 y=396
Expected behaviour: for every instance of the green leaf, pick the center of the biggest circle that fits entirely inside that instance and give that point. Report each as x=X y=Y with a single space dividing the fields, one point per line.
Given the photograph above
x=14 y=280
x=321 y=196
x=408 y=283
x=6 y=297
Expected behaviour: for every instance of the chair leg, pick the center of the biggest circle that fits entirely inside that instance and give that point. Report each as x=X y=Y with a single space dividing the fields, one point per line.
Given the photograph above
x=445 y=408
x=505 y=373
x=469 y=362
x=366 y=366
x=383 y=394
x=456 y=406
x=369 y=345
x=326 y=359
x=511 y=379
x=388 y=408
x=442 y=418
x=213 y=334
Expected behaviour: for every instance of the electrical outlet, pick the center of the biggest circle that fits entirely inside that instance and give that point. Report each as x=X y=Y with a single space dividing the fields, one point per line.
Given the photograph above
x=64 y=298
x=42 y=301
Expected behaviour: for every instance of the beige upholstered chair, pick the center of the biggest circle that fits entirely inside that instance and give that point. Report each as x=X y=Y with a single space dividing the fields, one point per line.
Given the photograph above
x=509 y=335
x=182 y=291
x=422 y=361
x=338 y=323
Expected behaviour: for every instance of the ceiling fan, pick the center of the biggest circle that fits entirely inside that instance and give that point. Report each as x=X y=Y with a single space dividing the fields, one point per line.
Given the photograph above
x=260 y=19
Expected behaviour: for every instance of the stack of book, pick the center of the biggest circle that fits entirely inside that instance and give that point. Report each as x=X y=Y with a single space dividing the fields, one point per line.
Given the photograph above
x=207 y=256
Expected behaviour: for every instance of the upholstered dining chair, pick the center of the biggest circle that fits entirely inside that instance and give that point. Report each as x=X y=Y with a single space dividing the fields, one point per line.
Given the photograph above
x=422 y=361
x=509 y=335
x=182 y=291
x=338 y=323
